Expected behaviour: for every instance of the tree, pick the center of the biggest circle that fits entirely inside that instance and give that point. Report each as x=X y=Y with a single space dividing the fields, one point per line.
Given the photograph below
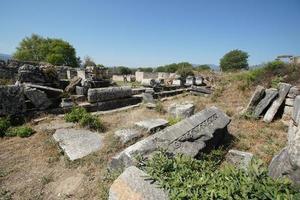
x=146 y=69
x=123 y=70
x=51 y=50
x=88 y=61
x=185 y=69
x=203 y=68
x=234 y=60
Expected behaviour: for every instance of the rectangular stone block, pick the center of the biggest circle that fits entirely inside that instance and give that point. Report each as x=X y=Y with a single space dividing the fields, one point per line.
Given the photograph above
x=296 y=111
x=110 y=93
x=203 y=130
x=12 y=100
x=289 y=101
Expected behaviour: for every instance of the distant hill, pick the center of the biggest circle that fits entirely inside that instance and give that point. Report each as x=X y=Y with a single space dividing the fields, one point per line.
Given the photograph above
x=5 y=56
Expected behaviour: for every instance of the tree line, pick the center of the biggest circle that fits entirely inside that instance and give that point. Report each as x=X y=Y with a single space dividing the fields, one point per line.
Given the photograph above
x=60 y=52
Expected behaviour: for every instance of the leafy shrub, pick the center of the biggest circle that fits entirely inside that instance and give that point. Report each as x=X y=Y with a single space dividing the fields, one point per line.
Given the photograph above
x=75 y=115
x=92 y=122
x=21 y=131
x=4 y=125
x=173 y=120
x=187 y=178
x=79 y=114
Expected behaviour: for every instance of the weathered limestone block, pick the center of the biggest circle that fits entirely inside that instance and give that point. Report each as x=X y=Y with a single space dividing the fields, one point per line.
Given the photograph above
x=289 y=101
x=12 y=100
x=78 y=143
x=75 y=81
x=270 y=95
x=239 y=159
x=66 y=103
x=294 y=91
x=177 y=82
x=38 y=98
x=129 y=134
x=182 y=110
x=148 y=98
x=104 y=94
x=283 y=91
x=133 y=184
x=90 y=83
x=152 y=125
x=50 y=91
x=31 y=74
x=255 y=99
x=296 y=111
x=190 y=80
x=199 y=80
x=71 y=73
x=204 y=130
x=201 y=89
x=81 y=90
x=136 y=91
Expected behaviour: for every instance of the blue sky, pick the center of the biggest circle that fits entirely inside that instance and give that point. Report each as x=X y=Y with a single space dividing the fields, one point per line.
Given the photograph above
x=144 y=33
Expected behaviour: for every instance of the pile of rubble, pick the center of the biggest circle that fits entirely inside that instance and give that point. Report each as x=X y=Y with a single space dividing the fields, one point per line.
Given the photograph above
x=272 y=102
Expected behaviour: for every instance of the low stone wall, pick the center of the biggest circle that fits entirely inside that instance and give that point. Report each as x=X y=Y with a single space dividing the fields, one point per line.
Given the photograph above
x=110 y=93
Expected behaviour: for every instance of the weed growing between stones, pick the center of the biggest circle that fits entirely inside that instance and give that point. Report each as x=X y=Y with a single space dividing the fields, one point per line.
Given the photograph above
x=187 y=178
x=160 y=108
x=21 y=131
x=85 y=119
x=173 y=120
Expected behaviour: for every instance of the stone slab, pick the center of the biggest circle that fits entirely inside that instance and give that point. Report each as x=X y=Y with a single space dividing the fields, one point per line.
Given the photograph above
x=78 y=143
x=239 y=159
x=133 y=184
x=202 y=131
x=256 y=97
x=129 y=134
x=294 y=91
x=110 y=93
x=182 y=110
x=38 y=98
x=289 y=101
x=151 y=125
x=270 y=95
x=283 y=91
x=296 y=111
x=12 y=100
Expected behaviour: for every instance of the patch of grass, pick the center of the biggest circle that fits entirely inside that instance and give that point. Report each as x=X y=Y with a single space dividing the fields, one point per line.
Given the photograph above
x=47 y=179
x=105 y=182
x=173 y=120
x=4 y=126
x=75 y=115
x=21 y=131
x=160 y=108
x=186 y=178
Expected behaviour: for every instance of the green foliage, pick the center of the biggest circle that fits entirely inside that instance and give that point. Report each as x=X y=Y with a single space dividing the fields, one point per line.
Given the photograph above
x=234 y=60
x=51 y=50
x=159 y=107
x=187 y=178
x=120 y=70
x=92 y=122
x=75 y=115
x=185 y=71
x=203 y=68
x=4 y=125
x=174 y=67
x=275 y=81
x=173 y=120
x=145 y=69
x=21 y=131
x=79 y=114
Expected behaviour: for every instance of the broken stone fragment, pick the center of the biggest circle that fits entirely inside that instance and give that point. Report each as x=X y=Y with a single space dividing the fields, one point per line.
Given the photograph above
x=129 y=134
x=239 y=159
x=296 y=111
x=76 y=81
x=12 y=100
x=152 y=125
x=38 y=98
x=202 y=131
x=182 y=110
x=283 y=91
x=294 y=91
x=255 y=99
x=78 y=143
x=270 y=95
x=133 y=183
x=110 y=93
x=289 y=101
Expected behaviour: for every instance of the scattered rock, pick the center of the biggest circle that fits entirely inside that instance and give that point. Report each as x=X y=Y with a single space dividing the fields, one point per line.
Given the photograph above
x=294 y=91
x=78 y=143
x=78 y=98
x=270 y=95
x=38 y=98
x=202 y=131
x=12 y=100
x=239 y=158
x=289 y=101
x=73 y=83
x=152 y=125
x=66 y=103
x=201 y=89
x=255 y=99
x=127 y=135
x=110 y=93
x=148 y=98
x=134 y=184
x=296 y=111
x=81 y=90
x=283 y=91
x=50 y=91
x=54 y=125
x=182 y=110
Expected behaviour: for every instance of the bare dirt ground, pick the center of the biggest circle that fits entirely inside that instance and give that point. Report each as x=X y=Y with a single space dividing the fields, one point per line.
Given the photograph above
x=35 y=168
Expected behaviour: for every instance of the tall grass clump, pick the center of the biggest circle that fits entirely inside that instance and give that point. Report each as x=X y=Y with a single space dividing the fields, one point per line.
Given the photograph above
x=186 y=178
x=21 y=131
x=4 y=125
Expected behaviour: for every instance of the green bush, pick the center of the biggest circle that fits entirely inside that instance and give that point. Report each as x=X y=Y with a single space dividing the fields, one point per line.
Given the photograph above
x=187 y=178
x=21 y=131
x=79 y=114
x=173 y=120
x=92 y=122
x=4 y=125
x=234 y=60
x=75 y=115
